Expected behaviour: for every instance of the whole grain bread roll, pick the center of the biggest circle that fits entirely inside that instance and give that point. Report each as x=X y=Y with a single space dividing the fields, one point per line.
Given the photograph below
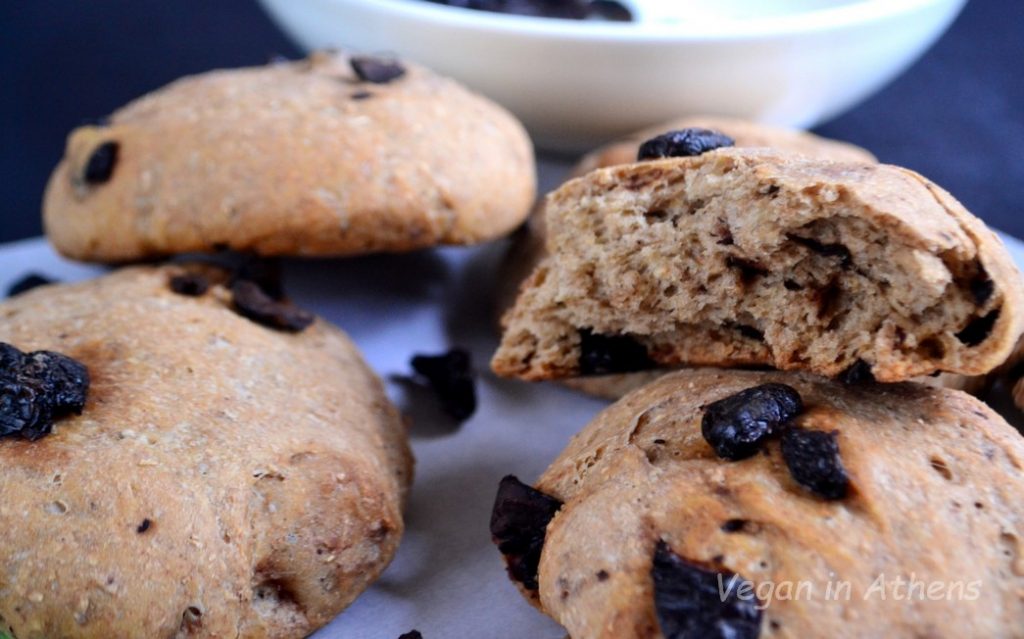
x=862 y=489
x=224 y=479
x=337 y=154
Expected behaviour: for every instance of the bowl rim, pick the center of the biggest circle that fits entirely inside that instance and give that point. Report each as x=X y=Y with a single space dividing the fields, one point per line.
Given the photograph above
x=848 y=15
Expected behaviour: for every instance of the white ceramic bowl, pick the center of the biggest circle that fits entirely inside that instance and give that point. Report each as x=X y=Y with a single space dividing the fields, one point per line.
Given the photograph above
x=577 y=83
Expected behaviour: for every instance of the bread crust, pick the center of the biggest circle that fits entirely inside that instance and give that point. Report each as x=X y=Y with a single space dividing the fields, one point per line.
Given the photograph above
x=283 y=160
x=934 y=476
x=223 y=480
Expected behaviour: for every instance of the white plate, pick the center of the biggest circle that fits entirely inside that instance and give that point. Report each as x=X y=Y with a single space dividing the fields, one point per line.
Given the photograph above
x=578 y=83
x=448 y=580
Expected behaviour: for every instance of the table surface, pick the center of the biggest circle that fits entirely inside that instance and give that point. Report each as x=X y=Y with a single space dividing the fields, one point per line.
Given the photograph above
x=447 y=579
x=957 y=116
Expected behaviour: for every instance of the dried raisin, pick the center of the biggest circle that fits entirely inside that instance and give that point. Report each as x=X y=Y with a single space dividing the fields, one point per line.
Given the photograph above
x=451 y=378
x=65 y=380
x=683 y=143
x=737 y=425
x=695 y=602
x=604 y=354
x=519 y=524
x=858 y=372
x=100 y=165
x=376 y=70
x=812 y=457
x=37 y=388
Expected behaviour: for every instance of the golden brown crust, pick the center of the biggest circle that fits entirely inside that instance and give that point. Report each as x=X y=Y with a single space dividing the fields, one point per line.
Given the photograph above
x=935 y=478
x=271 y=468
x=282 y=160
x=878 y=264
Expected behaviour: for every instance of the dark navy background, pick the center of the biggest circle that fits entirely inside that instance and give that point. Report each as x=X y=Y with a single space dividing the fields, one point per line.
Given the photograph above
x=957 y=116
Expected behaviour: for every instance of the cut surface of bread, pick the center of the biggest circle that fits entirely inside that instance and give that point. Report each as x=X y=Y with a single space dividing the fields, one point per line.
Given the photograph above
x=752 y=257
